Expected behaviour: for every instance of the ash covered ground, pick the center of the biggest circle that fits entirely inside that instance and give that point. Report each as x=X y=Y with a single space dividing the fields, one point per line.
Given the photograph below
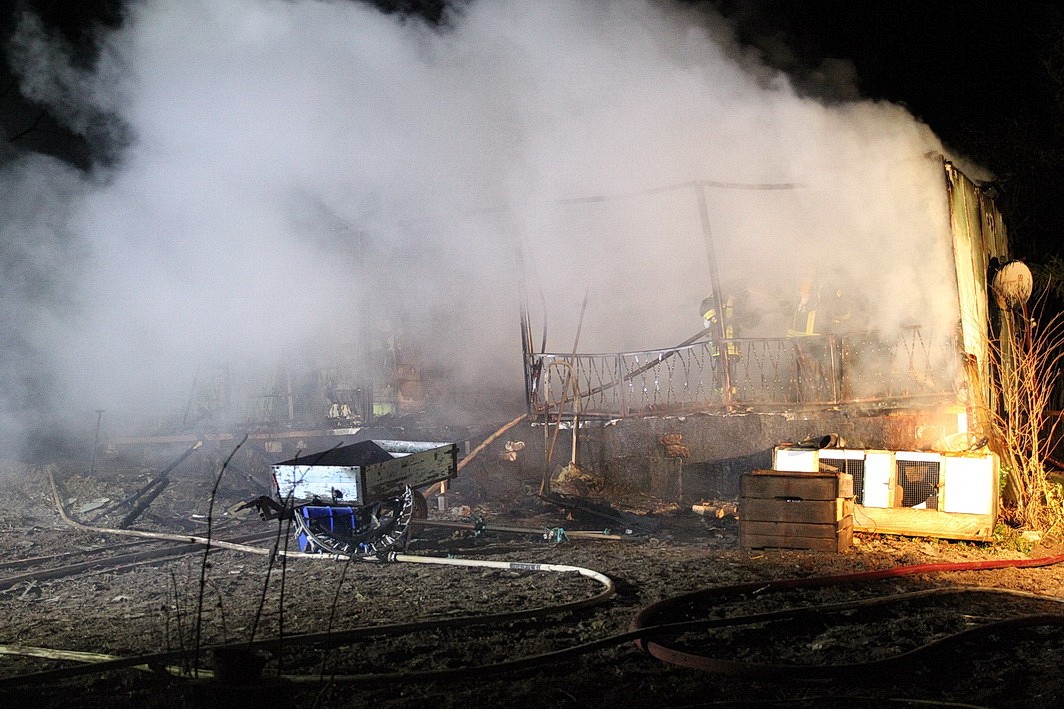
x=332 y=633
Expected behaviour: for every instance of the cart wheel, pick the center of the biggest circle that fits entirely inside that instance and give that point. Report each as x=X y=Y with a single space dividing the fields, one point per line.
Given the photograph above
x=420 y=511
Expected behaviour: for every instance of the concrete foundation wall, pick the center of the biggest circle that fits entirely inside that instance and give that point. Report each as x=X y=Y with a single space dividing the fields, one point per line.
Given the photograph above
x=709 y=453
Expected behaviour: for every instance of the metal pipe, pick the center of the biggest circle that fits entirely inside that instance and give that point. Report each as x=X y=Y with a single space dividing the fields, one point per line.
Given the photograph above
x=95 y=441
x=574 y=534
x=714 y=278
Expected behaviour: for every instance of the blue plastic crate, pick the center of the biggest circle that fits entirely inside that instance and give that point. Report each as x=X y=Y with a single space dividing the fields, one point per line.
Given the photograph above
x=332 y=518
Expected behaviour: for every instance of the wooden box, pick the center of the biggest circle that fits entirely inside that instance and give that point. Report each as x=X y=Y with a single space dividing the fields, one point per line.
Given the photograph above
x=788 y=510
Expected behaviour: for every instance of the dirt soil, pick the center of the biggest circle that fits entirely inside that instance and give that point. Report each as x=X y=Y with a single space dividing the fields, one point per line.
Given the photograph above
x=335 y=633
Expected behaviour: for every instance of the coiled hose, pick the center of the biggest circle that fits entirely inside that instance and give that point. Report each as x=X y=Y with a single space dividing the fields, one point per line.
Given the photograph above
x=102 y=663
x=649 y=617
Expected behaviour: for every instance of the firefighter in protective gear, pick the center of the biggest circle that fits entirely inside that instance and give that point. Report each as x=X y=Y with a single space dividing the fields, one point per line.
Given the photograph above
x=817 y=313
x=712 y=312
x=804 y=321
x=719 y=317
x=821 y=310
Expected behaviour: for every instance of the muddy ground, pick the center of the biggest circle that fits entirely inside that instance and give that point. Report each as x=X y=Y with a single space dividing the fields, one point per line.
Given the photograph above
x=358 y=634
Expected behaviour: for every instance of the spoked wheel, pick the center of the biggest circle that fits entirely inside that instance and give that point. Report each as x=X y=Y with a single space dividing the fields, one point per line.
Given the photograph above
x=420 y=511
x=360 y=532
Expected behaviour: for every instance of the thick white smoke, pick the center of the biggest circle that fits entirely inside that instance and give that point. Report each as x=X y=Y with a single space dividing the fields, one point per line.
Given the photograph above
x=299 y=171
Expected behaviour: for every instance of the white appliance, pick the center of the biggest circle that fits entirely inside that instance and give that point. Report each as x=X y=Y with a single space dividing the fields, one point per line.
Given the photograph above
x=964 y=483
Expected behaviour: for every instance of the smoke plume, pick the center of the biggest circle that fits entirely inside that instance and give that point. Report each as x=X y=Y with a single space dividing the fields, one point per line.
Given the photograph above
x=293 y=177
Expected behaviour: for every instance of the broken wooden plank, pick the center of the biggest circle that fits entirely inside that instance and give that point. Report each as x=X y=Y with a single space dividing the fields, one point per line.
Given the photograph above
x=807 y=486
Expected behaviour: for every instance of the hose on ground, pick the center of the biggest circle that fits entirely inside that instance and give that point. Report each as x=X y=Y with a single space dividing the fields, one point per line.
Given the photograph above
x=342 y=637
x=644 y=629
x=649 y=617
x=331 y=638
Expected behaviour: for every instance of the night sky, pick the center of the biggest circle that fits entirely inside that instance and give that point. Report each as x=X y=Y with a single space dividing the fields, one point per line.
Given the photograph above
x=986 y=75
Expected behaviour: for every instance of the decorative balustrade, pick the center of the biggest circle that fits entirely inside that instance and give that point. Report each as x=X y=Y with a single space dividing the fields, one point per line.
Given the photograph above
x=746 y=373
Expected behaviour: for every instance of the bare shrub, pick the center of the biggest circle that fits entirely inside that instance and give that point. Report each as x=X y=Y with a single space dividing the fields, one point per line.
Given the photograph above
x=1026 y=358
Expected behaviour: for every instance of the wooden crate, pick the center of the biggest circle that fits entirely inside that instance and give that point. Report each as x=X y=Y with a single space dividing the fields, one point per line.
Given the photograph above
x=788 y=510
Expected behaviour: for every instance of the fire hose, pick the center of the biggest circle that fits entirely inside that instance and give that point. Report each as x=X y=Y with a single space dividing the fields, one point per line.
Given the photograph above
x=648 y=617
x=103 y=663
x=646 y=626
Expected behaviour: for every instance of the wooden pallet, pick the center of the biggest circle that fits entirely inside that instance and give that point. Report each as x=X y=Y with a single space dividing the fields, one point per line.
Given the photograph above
x=786 y=510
